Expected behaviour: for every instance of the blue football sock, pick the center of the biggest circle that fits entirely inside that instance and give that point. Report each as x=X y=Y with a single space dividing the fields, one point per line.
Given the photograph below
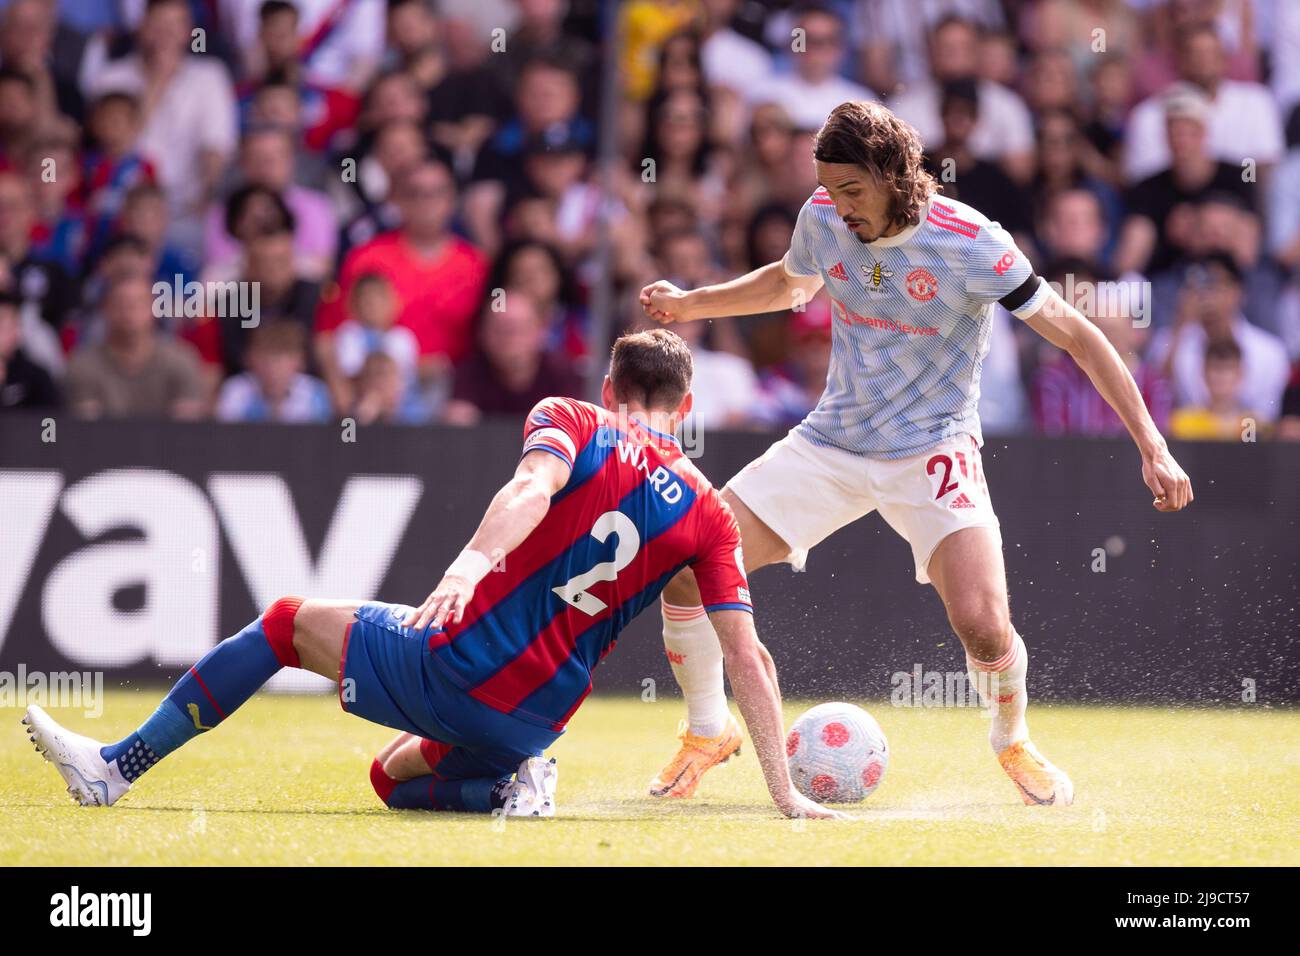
x=211 y=690
x=475 y=795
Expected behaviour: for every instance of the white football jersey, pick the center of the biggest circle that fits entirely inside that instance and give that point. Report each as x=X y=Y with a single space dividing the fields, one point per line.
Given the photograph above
x=912 y=316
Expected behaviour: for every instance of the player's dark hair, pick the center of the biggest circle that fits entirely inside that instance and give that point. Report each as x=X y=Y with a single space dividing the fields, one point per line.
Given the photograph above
x=868 y=135
x=653 y=368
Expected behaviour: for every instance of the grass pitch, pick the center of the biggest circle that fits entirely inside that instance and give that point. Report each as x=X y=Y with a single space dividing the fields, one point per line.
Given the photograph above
x=285 y=781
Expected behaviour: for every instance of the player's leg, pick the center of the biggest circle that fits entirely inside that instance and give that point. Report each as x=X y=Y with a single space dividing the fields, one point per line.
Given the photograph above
x=689 y=641
x=785 y=502
x=415 y=773
x=968 y=572
x=291 y=633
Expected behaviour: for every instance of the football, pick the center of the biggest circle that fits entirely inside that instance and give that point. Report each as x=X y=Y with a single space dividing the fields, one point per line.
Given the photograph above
x=837 y=753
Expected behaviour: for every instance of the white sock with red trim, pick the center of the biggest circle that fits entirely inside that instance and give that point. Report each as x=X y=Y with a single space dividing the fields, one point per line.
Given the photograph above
x=696 y=658
x=1001 y=685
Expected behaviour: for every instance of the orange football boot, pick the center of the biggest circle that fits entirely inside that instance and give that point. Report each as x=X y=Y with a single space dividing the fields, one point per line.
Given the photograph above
x=696 y=756
x=1040 y=782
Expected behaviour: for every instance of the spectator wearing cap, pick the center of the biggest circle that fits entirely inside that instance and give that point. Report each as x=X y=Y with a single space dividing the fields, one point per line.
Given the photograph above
x=1241 y=119
x=1209 y=310
x=1161 y=225
x=510 y=370
x=437 y=276
x=275 y=388
x=23 y=383
x=1004 y=131
x=135 y=371
x=1223 y=417
x=814 y=86
x=266 y=158
x=190 y=128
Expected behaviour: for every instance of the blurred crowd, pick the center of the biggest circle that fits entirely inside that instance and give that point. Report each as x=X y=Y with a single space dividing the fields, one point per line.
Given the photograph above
x=409 y=211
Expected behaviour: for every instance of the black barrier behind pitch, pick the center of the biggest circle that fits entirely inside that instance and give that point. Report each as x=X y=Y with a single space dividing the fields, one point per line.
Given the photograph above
x=132 y=547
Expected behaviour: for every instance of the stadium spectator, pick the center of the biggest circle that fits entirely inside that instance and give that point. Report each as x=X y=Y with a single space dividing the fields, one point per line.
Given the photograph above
x=49 y=294
x=965 y=176
x=33 y=43
x=539 y=271
x=730 y=59
x=1065 y=402
x=135 y=371
x=1209 y=310
x=381 y=397
x=813 y=86
x=371 y=327
x=510 y=371
x=1004 y=131
x=23 y=383
x=1161 y=226
x=144 y=216
x=1242 y=120
x=339 y=44
x=284 y=295
x=111 y=166
x=189 y=127
x=438 y=277
x=275 y=388
x=267 y=159
x=1222 y=417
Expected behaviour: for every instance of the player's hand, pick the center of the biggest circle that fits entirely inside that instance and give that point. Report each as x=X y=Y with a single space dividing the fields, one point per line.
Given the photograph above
x=664 y=302
x=446 y=605
x=796 y=805
x=1167 y=481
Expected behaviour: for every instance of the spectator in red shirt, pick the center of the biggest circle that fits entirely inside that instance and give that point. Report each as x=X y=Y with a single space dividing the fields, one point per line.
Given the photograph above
x=437 y=276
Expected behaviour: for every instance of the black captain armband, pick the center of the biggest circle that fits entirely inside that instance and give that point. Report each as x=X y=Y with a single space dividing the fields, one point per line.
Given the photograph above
x=1021 y=293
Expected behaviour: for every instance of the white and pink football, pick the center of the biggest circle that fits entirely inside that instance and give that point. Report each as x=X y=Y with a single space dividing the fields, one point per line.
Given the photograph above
x=837 y=753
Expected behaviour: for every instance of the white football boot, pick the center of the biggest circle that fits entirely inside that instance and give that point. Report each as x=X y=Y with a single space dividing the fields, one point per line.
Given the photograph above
x=92 y=781
x=532 y=794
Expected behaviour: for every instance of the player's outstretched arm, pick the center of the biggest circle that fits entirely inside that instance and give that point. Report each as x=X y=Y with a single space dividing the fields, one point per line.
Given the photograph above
x=1062 y=325
x=769 y=289
x=753 y=682
x=515 y=511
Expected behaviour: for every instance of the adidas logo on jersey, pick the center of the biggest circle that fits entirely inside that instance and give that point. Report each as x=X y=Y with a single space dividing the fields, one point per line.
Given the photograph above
x=961 y=501
x=838 y=271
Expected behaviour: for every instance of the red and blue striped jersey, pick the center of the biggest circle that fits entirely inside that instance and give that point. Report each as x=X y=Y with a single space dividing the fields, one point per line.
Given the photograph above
x=633 y=513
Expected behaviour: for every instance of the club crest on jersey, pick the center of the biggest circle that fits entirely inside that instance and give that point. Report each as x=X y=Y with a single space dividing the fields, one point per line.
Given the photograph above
x=875 y=277
x=922 y=285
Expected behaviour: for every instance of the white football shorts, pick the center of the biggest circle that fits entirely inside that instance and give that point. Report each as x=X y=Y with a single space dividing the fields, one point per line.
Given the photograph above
x=806 y=492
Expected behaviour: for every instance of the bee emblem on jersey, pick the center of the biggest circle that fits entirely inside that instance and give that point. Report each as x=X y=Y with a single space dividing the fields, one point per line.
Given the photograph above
x=922 y=285
x=876 y=276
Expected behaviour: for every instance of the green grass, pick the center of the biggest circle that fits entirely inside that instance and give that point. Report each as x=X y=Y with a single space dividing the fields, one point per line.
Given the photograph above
x=285 y=781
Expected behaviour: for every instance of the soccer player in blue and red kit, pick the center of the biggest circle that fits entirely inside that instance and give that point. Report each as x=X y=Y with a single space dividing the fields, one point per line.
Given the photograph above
x=602 y=512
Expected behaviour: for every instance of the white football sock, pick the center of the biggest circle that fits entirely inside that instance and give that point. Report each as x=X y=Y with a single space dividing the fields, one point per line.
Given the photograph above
x=696 y=658
x=1003 y=680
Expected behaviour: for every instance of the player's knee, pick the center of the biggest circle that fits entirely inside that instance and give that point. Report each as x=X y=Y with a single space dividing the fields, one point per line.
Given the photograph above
x=277 y=624
x=984 y=626
x=381 y=781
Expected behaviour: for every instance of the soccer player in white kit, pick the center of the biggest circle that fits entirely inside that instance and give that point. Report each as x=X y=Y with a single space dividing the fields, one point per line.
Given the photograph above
x=912 y=277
